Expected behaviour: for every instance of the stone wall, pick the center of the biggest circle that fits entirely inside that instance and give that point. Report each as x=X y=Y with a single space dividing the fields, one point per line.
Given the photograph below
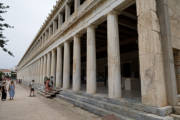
x=174 y=13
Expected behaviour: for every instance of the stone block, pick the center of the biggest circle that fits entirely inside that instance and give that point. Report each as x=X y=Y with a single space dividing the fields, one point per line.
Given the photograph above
x=152 y=80
x=144 y=6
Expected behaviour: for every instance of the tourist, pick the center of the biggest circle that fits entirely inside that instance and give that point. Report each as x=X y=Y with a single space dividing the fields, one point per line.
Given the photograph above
x=51 y=82
x=4 y=91
x=45 y=79
x=32 y=88
x=11 y=90
x=47 y=85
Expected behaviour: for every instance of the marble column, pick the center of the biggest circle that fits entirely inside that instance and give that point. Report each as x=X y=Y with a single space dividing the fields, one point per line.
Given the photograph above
x=44 y=67
x=36 y=71
x=165 y=31
x=77 y=64
x=59 y=67
x=32 y=72
x=48 y=65
x=53 y=66
x=91 y=60
x=77 y=4
x=177 y=68
x=40 y=70
x=67 y=12
x=50 y=31
x=60 y=20
x=54 y=26
x=66 y=67
x=153 y=85
x=114 y=71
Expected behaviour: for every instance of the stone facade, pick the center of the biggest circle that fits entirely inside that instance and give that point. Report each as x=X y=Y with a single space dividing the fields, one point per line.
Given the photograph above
x=70 y=47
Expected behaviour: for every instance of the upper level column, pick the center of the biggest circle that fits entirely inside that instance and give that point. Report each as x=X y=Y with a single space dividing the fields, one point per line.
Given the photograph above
x=114 y=72
x=60 y=20
x=67 y=12
x=77 y=4
x=77 y=64
x=91 y=60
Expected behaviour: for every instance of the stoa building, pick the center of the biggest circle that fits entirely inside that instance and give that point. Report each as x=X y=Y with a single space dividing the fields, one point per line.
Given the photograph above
x=118 y=57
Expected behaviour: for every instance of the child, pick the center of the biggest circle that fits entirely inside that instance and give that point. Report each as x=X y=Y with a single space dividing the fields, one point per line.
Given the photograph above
x=32 y=88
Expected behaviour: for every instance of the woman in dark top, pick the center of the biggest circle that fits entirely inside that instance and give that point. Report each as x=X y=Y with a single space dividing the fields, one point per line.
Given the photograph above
x=4 y=91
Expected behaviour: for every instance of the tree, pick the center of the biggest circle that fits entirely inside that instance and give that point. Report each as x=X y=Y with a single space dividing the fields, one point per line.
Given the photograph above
x=3 y=26
x=13 y=75
x=1 y=75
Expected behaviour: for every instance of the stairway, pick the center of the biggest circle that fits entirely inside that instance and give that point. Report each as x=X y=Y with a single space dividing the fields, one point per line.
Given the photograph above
x=122 y=109
x=50 y=94
x=176 y=111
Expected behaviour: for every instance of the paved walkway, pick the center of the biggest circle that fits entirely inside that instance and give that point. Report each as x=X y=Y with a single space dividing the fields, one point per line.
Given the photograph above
x=40 y=108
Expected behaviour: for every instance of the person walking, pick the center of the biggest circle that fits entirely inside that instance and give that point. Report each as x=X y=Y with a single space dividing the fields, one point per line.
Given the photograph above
x=32 y=88
x=11 y=90
x=4 y=91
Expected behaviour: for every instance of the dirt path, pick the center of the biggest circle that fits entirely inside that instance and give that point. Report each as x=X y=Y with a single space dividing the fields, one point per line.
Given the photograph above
x=40 y=108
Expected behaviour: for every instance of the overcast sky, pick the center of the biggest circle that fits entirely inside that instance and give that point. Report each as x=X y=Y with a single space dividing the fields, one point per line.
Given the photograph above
x=27 y=16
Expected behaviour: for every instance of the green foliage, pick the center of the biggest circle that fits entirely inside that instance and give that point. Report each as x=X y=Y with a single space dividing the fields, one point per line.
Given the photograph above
x=13 y=75
x=1 y=75
x=3 y=26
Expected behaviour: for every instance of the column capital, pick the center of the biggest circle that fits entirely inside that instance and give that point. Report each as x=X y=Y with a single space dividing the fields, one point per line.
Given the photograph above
x=92 y=26
x=77 y=35
x=60 y=46
x=114 y=12
x=66 y=42
x=53 y=50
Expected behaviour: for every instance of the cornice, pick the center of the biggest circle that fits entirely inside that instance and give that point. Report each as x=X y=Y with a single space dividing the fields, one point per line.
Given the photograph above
x=46 y=22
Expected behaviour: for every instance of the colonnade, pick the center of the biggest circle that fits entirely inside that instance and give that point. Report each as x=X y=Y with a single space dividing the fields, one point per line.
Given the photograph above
x=58 y=66
x=153 y=82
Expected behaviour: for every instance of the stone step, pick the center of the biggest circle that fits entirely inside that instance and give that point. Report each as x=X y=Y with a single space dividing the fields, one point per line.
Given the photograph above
x=47 y=94
x=118 y=109
x=125 y=111
x=178 y=98
x=176 y=117
x=41 y=93
x=164 y=111
x=94 y=109
x=176 y=110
